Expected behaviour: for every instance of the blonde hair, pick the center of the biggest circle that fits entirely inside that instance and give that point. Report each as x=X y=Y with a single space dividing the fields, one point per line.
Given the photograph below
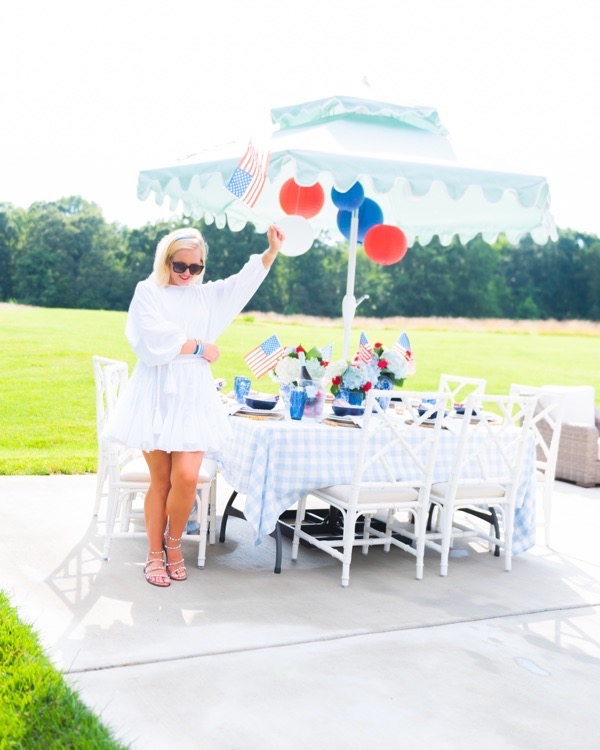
x=185 y=238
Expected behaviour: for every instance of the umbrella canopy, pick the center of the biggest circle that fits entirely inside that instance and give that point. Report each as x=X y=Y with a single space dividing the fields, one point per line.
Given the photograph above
x=401 y=156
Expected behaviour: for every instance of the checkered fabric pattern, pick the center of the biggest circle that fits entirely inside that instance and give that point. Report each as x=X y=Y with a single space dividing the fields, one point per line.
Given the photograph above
x=274 y=463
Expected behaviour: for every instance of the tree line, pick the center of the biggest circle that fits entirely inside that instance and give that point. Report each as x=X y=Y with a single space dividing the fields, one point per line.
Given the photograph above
x=64 y=254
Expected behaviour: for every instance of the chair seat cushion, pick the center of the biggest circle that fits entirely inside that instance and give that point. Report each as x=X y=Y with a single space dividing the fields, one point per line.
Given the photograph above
x=397 y=494
x=467 y=490
x=137 y=471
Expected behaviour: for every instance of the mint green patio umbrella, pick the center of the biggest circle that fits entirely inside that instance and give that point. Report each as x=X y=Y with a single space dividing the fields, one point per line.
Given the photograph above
x=401 y=156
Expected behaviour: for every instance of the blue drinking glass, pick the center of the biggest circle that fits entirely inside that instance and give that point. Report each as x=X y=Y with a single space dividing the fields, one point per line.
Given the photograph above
x=241 y=388
x=297 y=401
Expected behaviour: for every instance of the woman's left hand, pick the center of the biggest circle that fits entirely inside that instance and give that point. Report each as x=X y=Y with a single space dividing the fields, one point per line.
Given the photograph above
x=275 y=237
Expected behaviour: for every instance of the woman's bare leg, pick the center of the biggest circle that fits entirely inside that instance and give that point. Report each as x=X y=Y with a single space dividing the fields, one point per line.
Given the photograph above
x=180 y=501
x=155 y=508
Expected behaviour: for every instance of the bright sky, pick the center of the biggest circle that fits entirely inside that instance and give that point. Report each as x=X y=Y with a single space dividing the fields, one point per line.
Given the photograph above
x=92 y=92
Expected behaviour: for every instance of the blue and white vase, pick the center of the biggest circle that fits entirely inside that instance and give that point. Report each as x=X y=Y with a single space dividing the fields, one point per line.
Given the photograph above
x=284 y=392
x=385 y=383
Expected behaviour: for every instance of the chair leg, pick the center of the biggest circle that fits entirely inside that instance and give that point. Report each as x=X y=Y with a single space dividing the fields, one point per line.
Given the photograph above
x=389 y=530
x=300 y=510
x=447 y=515
x=111 y=514
x=100 y=481
x=421 y=522
x=508 y=535
x=349 y=532
x=203 y=524
x=212 y=498
x=366 y=534
x=547 y=497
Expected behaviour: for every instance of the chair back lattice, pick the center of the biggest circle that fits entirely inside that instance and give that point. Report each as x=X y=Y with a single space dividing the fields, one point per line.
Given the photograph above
x=110 y=376
x=546 y=424
x=387 y=441
x=492 y=440
x=457 y=388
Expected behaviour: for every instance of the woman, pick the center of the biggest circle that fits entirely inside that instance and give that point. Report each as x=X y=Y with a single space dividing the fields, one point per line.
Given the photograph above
x=171 y=409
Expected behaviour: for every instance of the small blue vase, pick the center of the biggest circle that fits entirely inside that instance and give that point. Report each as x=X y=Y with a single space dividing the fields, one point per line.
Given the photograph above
x=355 y=398
x=385 y=383
x=297 y=401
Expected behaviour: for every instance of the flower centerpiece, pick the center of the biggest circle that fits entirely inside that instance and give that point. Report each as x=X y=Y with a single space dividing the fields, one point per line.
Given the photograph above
x=304 y=369
x=351 y=380
x=289 y=368
x=386 y=369
x=390 y=367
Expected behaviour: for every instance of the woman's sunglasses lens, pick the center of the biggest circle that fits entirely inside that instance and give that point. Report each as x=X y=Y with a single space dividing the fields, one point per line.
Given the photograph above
x=195 y=268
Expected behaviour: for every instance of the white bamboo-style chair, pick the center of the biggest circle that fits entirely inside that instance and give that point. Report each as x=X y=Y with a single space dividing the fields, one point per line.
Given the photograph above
x=546 y=426
x=129 y=479
x=457 y=388
x=394 y=470
x=485 y=474
x=105 y=401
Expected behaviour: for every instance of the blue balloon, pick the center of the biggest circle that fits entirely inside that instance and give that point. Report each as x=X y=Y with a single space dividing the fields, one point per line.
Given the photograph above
x=369 y=214
x=349 y=200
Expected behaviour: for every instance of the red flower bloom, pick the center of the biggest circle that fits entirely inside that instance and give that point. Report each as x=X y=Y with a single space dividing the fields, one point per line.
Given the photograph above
x=382 y=363
x=324 y=363
x=378 y=346
x=367 y=387
x=300 y=349
x=337 y=380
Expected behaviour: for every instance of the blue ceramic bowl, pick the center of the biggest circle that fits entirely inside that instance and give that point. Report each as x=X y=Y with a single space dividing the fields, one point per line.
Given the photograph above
x=460 y=410
x=348 y=411
x=423 y=410
x=254 y=402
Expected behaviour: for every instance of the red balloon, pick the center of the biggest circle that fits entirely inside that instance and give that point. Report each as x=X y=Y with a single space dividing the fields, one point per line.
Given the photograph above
x=385 y=244
x=301 y=201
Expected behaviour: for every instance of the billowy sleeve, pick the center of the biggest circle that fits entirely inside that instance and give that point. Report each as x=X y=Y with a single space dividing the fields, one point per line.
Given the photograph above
x=155 y=340
x=228 y=297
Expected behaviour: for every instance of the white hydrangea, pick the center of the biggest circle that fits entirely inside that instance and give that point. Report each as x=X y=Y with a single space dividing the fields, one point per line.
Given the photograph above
x=396 y=363
x=288 y=370
x=337 y=368
x=315 y=368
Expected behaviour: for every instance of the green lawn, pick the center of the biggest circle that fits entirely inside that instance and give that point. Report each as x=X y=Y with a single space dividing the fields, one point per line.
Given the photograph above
x=37 y=707
x=47 y=403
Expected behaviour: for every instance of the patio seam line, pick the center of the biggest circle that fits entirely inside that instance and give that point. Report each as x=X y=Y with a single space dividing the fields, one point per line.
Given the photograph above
x=325 y=639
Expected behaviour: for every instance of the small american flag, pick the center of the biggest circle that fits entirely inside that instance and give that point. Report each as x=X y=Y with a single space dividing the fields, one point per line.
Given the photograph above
x=249 y=178
x=327 y=352
x=402 y=346
x=265 y=356
x=365 y=350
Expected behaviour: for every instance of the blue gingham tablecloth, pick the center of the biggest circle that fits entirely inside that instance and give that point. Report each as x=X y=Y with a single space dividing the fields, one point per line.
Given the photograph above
x=274 y=463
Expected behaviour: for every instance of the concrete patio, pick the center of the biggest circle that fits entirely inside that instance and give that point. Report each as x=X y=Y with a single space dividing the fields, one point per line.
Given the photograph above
x=238 y=658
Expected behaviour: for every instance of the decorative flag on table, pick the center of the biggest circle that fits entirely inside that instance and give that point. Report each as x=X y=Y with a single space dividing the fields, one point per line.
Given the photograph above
x=265 y=356
x=365 y=350
x=327 y=352
x=402 y=346
x=248 y=180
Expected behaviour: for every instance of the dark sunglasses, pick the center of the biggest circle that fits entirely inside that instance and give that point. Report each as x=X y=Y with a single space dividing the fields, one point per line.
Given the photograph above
x=194 y=268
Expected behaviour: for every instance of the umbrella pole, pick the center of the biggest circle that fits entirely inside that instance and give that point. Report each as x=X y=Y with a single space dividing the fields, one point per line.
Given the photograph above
x=349 y=301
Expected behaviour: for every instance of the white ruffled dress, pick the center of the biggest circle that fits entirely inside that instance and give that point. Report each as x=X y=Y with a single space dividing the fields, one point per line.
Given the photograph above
x=170 y=402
